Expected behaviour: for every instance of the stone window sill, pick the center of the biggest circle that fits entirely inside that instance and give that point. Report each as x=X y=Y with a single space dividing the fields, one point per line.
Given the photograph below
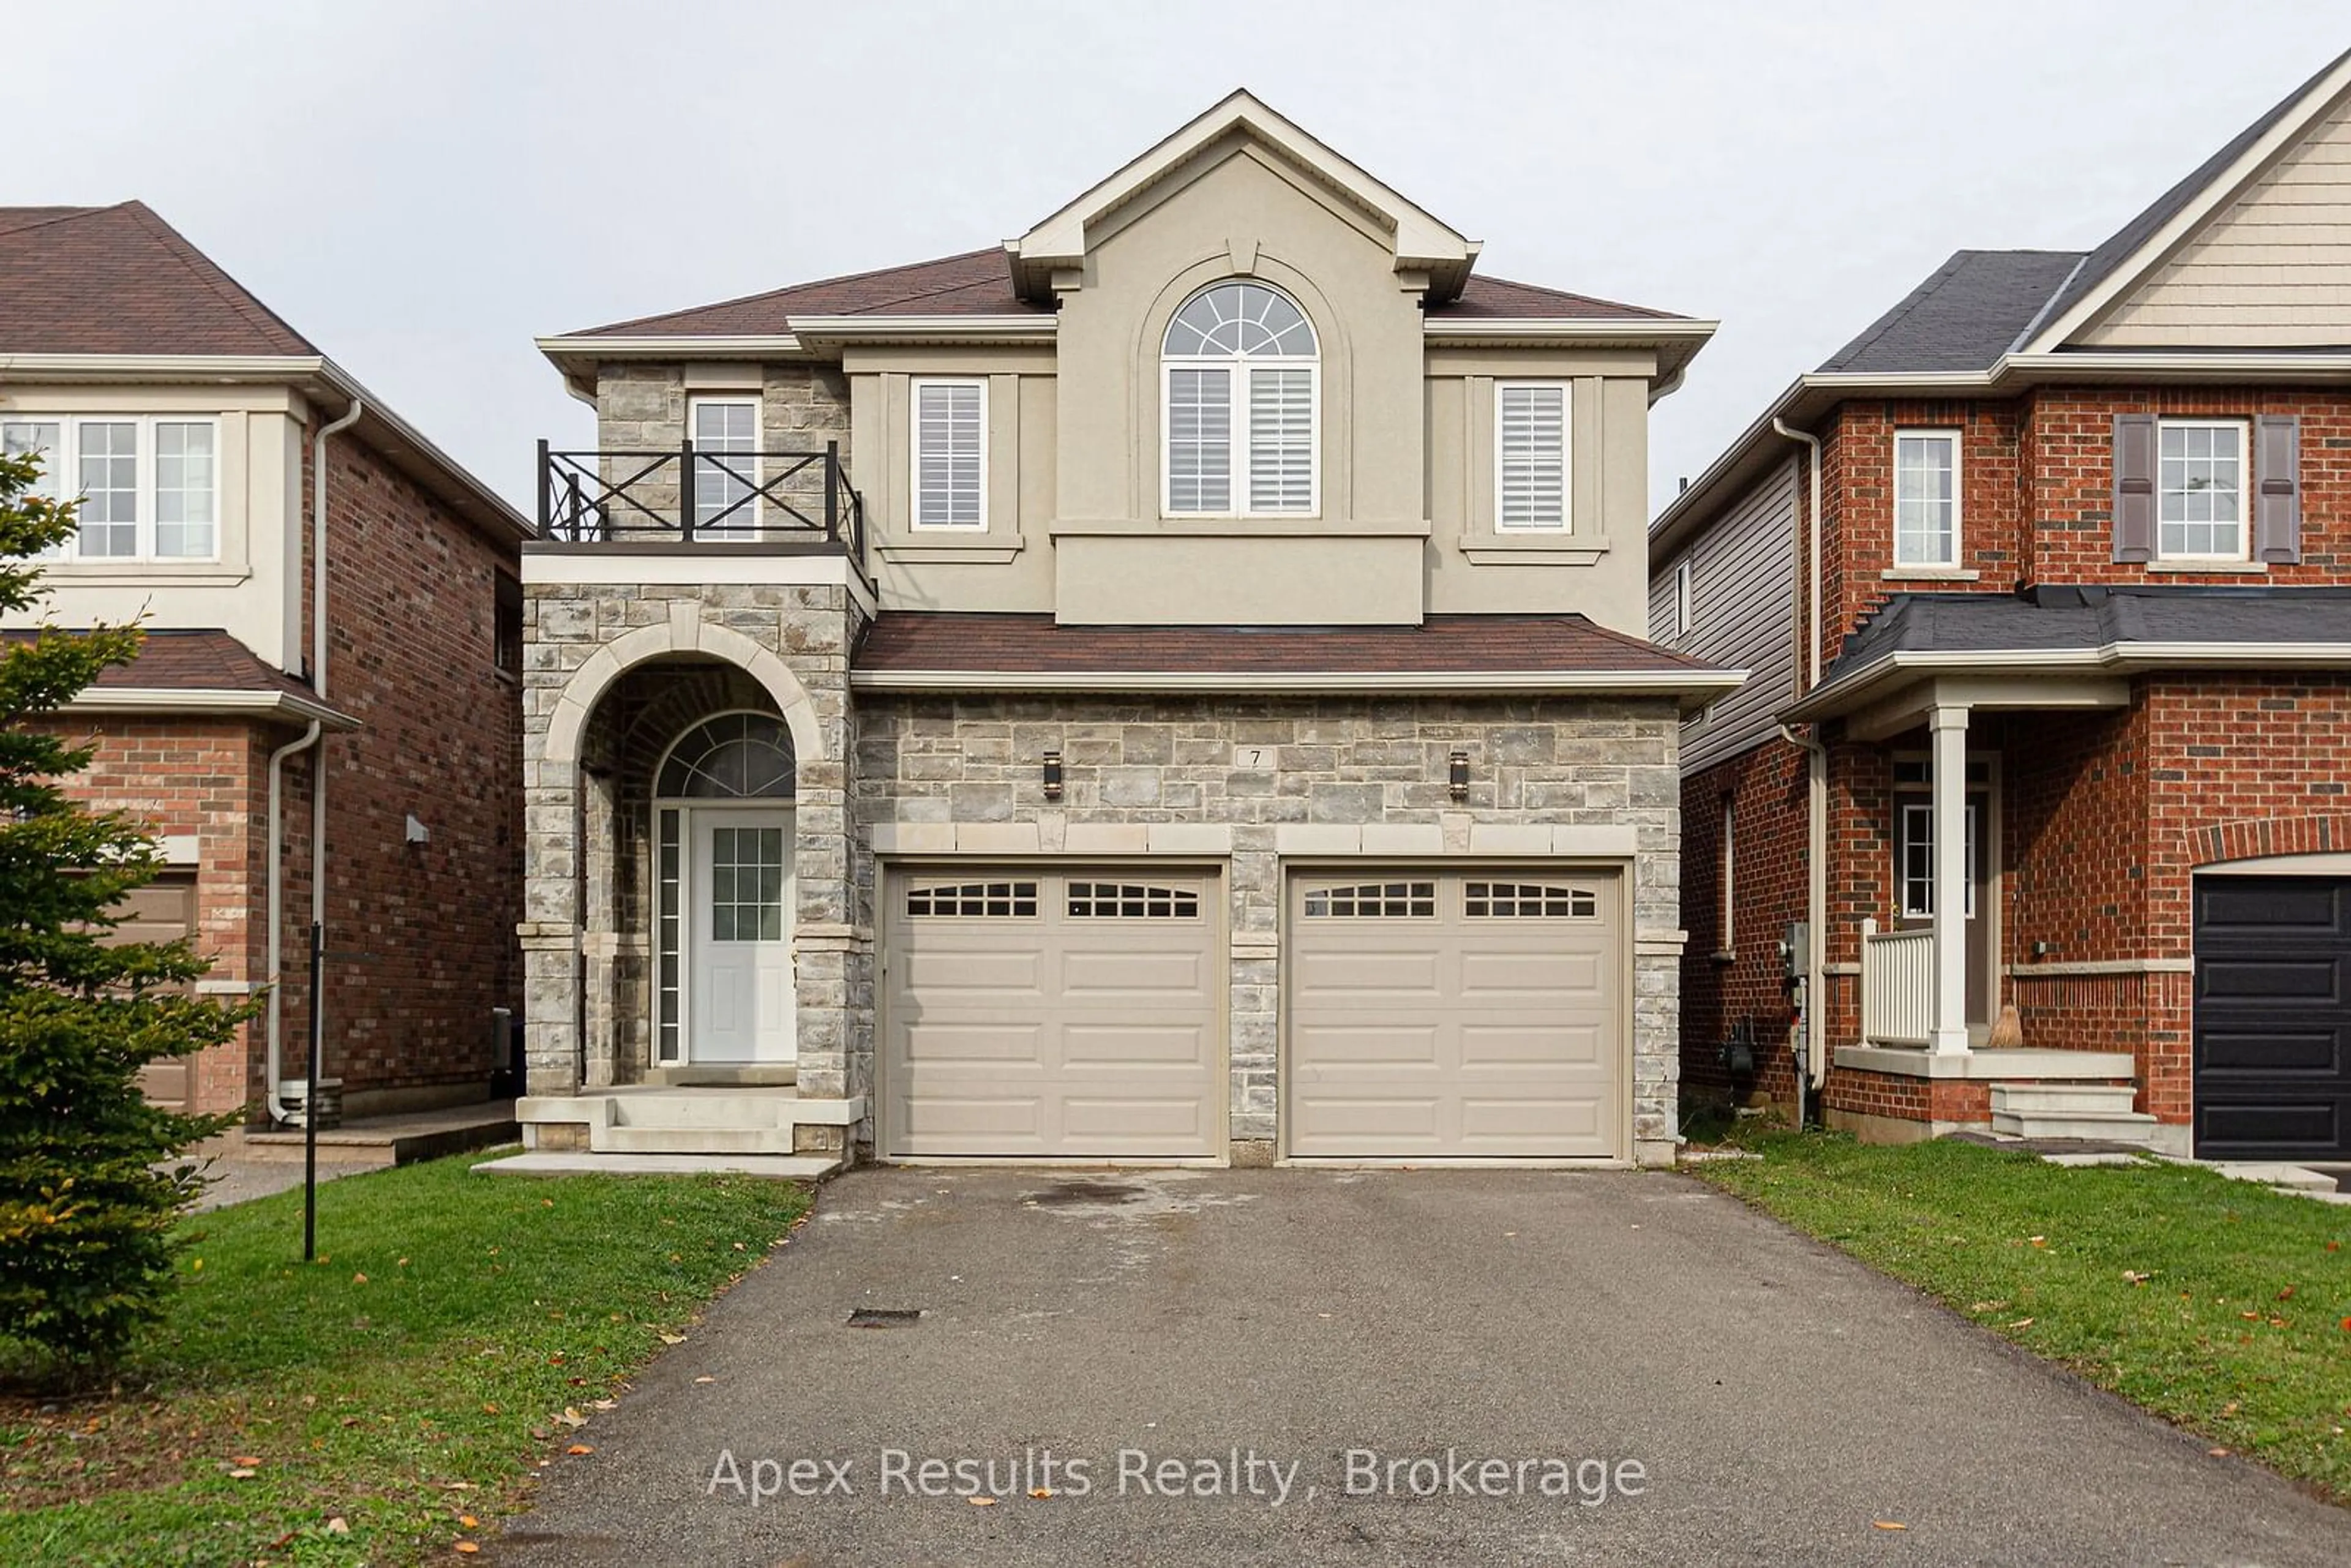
x=1534 y=549
x=148 y=573
x=1242 y=528
x=1927 y=574
x=973 y=549
x=2209 y=568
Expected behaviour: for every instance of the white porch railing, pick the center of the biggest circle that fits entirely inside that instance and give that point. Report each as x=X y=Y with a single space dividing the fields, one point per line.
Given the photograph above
x=1897 y=986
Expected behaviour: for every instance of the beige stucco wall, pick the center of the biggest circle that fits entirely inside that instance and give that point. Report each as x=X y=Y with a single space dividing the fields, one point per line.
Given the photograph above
x=252 y=590
x=1074 y=523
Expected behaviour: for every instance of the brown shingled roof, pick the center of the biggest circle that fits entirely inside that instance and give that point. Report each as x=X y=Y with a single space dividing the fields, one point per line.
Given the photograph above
x=120 y=280
x=176 y=660
x=975 y=283
x=943 y=642
x=1501 y=298
x=979 y=283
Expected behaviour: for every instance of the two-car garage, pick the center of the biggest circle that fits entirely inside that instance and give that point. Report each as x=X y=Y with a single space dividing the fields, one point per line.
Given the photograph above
x=1045 y=1012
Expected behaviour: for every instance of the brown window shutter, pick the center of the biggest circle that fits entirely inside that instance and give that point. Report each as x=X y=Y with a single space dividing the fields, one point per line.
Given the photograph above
x=2277 y=477
x=2133 y=486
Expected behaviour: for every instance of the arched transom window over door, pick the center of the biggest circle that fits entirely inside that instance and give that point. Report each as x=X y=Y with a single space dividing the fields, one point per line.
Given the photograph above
x=1240 y=385
x=734 y=756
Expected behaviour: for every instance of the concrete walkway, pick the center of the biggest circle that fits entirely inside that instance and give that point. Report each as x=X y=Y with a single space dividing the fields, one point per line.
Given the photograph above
x=1718 y=1389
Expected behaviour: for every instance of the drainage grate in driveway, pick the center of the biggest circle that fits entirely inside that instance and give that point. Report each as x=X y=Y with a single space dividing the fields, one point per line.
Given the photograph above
x=885 y=1317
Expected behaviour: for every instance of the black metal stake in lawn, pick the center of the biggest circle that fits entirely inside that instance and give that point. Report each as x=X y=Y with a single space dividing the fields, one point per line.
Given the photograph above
x=311 y=1104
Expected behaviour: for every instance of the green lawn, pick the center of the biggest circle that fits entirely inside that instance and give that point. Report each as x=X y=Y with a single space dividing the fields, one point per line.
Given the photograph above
x=2218 y=1305
x=452 y=1331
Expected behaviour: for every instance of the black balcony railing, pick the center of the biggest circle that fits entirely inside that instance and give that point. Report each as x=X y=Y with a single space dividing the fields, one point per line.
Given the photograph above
x=686 y=497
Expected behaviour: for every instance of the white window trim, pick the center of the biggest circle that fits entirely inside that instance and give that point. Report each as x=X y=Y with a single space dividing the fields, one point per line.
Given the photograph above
x=1566 y=524
x=746 y=521
x=68 y=469
x=914 y=523
x=1908 y=834
x=1238 y=367
x=2247 y=489
x=1958 y=497
x=1684 y=597
x=1724 y=942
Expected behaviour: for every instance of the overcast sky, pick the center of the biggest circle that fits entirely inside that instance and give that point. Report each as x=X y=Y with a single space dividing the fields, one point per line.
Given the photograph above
x=421 y=187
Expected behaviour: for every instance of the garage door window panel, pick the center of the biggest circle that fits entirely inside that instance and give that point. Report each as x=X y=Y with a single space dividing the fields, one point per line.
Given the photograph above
x=1527 y=900
x=1131 y=901
x=973 y=899
x=1374 y=901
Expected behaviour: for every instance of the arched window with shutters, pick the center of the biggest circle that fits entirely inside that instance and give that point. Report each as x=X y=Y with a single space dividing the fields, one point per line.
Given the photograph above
x=1240 y=397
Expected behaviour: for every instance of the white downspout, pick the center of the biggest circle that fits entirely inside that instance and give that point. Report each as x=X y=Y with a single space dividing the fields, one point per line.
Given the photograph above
x=274 y=900
x=1816 y=772
x=278 y=1108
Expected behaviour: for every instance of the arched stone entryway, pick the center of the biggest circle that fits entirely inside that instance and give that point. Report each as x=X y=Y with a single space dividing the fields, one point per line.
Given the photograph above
x=599 y=716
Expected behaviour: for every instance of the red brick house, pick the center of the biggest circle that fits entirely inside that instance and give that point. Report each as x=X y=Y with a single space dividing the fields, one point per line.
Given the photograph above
x=373 y=696
x=2046 y=579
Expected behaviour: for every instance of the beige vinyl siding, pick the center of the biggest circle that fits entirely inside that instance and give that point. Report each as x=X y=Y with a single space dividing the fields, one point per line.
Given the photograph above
x=2273 y=268
x=1742 y=574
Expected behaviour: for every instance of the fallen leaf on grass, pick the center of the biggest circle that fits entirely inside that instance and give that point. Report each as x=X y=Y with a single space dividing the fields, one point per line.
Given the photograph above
x=245 y=1460
x=339 y=1525
x=242 y=1474
x=604 y=1405
x=469 y=1522
x=571 y=1417
x=358 y=1278
x=2286 y=1294
x=2038 y=1240
x=488 y=1409
x=2022 y=1323
x=467 y=1547
x=2136 y=1278
x=672 y=1339
x=1987 y=1306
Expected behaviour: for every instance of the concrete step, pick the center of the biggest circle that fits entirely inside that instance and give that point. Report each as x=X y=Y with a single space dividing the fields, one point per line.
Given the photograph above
x=636 y=1140
x=727 y=1076
x=767 y=1109
x=2113 y=1127
x=377 y=1142
x=2063 y=1099
x=793 y=1168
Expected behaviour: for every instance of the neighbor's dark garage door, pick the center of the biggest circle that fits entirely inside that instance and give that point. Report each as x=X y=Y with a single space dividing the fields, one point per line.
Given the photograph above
x=2272 y=1017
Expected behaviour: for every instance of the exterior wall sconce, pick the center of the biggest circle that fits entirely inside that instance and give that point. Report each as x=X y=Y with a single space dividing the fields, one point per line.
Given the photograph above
x=1053 y=776
x=1456 y=776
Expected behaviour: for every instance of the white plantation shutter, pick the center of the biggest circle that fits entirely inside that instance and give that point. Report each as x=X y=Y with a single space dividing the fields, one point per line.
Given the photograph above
x=1199 y=440
x=1530 y=435
x=950 y=471
x=1281 y=441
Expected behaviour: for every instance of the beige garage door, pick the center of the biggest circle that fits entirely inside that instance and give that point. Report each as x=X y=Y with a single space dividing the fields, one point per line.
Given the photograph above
x=162 y=910
x=1050 y=1014
x=1455 y=1013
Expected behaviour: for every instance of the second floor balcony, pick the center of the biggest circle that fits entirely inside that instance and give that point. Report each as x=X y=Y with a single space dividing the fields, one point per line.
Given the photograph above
x=687 y=498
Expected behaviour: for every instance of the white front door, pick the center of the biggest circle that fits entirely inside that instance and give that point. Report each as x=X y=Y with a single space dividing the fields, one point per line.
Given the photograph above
x=739 y=952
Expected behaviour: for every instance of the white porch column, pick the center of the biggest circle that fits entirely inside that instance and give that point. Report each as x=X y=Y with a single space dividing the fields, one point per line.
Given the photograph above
x=1948 y=726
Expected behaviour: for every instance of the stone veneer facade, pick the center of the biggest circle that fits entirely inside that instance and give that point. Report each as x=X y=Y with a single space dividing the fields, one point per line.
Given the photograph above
x=1352 y=779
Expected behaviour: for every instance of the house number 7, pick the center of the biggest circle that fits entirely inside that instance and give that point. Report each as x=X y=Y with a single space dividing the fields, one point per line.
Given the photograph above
x=1252 y=759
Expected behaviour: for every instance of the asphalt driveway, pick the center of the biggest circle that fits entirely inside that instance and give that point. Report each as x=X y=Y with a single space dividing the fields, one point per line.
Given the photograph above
x=1655 y=1374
